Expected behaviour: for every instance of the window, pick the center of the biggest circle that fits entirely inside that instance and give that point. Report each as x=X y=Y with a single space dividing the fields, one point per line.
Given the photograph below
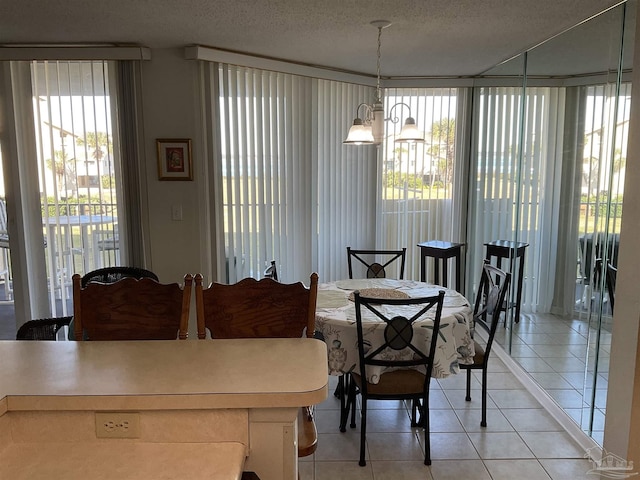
x=418 y=187
x=278 y=195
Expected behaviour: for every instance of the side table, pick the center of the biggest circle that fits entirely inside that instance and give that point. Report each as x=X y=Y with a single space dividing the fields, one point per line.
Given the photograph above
x=506 y=249
x=440 y=250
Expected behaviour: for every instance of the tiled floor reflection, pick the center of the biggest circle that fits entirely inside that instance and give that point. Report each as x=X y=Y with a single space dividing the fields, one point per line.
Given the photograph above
x=521 y=439
x=560 y=356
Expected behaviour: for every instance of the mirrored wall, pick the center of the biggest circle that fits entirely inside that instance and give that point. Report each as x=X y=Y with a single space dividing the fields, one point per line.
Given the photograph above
x=549 y=152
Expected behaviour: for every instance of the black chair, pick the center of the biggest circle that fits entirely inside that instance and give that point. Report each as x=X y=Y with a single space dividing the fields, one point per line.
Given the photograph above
x=113 y=274
x=376 y=269
x=411 y=376
x=42 y=328
x=494 y=284
x=271 y=271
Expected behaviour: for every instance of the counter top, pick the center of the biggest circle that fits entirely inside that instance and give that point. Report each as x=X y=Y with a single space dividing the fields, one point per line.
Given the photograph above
x=122 y=461
x=172 y=374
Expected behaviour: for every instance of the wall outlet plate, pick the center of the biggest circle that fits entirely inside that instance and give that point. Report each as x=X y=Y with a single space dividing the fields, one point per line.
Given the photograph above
x=117 y=425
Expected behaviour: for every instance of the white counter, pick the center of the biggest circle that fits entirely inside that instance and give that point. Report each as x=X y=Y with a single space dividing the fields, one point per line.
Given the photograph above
x=209 y=391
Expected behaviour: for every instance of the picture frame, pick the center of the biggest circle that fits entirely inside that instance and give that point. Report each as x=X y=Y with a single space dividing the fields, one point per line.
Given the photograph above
x=174 y=159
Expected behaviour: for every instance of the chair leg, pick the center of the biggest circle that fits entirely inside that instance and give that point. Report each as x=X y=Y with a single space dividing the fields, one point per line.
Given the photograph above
x=483 y=422
x=426 y=424
x=338 y=392
x=352 y=403
x=363 y=431
x=344 y=402
x=468 y=397
x=417 y=413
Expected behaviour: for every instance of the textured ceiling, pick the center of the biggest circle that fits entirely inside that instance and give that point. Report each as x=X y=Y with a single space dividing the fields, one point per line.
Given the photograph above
x=427 y=37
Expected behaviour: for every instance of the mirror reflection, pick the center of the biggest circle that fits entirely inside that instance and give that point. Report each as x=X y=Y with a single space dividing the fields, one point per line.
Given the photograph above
x=549 y=177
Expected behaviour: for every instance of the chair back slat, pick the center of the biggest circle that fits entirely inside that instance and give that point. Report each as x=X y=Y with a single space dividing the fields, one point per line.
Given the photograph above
x=375 y=269
x=490 y=299
x=398 y=331
x=131 y=309
x=271 y=271
x=256 y=309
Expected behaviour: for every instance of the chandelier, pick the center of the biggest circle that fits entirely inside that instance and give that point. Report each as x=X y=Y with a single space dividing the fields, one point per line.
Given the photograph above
x=368 y=129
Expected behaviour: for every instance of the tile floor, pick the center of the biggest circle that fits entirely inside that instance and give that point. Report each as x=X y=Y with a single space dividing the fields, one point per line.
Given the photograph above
x=560 y=355
x=521 y=440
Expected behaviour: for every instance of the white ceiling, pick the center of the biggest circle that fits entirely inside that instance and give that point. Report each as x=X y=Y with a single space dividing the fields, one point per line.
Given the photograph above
x=428 y=38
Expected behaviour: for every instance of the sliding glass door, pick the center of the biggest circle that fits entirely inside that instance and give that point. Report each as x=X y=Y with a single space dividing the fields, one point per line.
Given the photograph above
x=66 y=158
x=74 y=136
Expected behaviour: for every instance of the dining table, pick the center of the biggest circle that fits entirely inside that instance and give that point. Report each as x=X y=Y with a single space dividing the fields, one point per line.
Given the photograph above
x=335 y=321
x=65 y=225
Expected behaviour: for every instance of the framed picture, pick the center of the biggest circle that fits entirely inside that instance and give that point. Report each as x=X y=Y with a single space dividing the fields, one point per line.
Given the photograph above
x=174 y=159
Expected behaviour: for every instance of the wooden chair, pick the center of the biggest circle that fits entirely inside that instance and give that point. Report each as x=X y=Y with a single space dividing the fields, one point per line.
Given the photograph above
x=494 y=284
x=131 y=309
x=271 y=271
x=262 y=309
x=403 y=382
x=375 y=269
x=42 y=328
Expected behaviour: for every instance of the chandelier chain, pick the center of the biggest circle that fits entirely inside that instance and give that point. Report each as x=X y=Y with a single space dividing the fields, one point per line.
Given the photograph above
x=378 y=96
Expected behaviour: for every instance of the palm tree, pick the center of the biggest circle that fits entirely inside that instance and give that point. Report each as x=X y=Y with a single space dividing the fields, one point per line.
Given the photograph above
x=443 y=134
x=96 y=141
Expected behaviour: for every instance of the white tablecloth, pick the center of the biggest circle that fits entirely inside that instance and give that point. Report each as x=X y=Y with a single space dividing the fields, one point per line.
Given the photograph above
x=336 y=321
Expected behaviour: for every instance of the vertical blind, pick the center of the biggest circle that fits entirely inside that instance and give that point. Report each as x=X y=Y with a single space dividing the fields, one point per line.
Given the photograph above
x=74 y=136
x=417 y=195
x=347 y=180
x=282 y=196
x=602 y=170
x=265 y=169
x=516 y=146
x=519 y=187
x=288 y=189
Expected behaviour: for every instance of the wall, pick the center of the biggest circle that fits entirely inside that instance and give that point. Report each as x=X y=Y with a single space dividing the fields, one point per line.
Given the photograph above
x=171 y=110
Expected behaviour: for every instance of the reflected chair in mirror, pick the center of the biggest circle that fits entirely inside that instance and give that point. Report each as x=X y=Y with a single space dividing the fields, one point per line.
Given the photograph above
x=612 y=273
x=262 y=309
x=411 y=363
x=493 y=287
x=131 y=309
x=113 y=274
x=42 y=328
x=374 y=269
x=271 y=271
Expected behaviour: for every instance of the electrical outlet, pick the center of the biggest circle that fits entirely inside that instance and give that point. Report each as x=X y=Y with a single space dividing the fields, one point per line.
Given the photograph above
x=176 y=213
x=117 y=425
